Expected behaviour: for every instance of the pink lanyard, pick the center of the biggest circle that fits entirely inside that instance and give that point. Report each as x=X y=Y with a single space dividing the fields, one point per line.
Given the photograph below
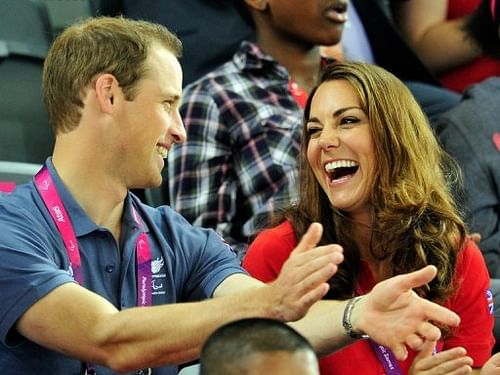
x=386 y=358
x=385 y=355
x=51 y=199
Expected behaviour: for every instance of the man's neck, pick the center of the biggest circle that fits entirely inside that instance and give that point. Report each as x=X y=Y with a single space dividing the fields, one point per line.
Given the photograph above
x=302 y=62
x=100 y=197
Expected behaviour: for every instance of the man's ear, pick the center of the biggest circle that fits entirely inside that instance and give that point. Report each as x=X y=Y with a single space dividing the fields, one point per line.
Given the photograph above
x=258 y=4
x=106 y=87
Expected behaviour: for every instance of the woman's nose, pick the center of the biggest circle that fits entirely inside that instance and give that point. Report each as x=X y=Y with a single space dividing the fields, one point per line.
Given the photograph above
x=329 y=141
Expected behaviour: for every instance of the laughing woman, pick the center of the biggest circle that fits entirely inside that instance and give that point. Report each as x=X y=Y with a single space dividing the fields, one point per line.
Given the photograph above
x=374 y=175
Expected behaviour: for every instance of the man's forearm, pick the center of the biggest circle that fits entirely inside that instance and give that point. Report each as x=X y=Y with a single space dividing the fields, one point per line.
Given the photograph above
x=78 y=323
x=323 y=326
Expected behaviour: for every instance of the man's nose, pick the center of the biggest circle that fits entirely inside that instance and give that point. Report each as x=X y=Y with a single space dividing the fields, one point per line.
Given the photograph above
x=177 y=130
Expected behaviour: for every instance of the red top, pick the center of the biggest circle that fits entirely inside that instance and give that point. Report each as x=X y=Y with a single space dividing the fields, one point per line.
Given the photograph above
x=460 y=8
x=475 y=71
x=272 y=247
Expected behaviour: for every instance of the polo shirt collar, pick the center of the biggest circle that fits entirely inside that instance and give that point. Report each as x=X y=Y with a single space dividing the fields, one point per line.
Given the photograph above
x=251 y=57
x=82 y=223
x=128 y=219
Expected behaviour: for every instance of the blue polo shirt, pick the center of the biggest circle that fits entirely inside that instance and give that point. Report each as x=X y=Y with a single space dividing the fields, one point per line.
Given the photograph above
x=188 y=263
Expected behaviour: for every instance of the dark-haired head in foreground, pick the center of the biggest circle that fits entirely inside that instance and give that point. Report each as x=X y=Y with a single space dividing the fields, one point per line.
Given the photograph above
x=257 y=346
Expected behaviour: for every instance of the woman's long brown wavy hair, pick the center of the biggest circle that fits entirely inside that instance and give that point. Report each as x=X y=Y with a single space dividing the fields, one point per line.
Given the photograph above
x=415 y=220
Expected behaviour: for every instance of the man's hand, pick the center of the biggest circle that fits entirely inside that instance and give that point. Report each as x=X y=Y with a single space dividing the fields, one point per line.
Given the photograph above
x=303 y=278
x=393 y=315
x=451 y=361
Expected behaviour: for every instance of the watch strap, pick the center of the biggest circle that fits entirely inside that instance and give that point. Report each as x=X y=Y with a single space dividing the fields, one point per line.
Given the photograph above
x=346 y=320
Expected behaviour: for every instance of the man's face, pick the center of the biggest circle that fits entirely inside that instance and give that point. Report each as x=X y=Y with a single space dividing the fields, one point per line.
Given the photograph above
x=151 y=122
x=316 y=22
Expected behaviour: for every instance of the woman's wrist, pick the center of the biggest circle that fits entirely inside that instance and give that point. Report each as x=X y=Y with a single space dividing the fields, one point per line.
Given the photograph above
x=349 y=323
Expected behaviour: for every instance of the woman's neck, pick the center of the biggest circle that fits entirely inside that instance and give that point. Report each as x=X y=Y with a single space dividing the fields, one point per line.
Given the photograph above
x=369 y=247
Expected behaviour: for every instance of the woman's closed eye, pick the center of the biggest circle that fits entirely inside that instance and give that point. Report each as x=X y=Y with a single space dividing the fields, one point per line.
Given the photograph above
x=313 y=130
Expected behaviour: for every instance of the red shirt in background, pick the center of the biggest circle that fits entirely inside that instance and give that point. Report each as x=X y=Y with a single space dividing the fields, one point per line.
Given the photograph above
x=477 y=70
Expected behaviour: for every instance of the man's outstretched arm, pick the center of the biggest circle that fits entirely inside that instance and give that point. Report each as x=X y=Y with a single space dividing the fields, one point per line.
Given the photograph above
x=74 y=321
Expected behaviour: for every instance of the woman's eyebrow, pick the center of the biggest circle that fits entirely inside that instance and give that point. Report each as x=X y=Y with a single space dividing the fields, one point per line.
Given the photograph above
x=339 y=111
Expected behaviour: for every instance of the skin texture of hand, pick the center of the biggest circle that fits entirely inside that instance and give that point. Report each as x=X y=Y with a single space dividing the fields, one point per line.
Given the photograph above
x=397 y=309
x=452 y=361
x=492 y=367
x=302 y=280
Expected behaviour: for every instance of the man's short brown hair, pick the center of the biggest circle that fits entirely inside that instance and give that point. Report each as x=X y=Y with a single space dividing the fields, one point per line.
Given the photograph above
x=114 y=45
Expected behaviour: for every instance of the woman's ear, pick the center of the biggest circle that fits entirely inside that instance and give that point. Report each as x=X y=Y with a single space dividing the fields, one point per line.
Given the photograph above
x=106 y=87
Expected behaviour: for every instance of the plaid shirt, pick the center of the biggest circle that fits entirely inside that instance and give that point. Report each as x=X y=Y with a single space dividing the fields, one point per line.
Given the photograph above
x=240 y=161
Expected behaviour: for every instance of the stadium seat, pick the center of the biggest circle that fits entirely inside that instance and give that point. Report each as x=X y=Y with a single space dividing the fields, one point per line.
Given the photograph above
x=25 y=134
x=14 y=173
